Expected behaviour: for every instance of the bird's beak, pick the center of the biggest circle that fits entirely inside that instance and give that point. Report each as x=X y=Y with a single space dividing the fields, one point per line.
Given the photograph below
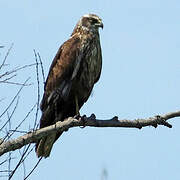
x=101 y=24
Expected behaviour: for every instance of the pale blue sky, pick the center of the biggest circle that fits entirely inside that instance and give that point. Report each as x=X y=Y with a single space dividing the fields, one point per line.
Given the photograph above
x=140 y=78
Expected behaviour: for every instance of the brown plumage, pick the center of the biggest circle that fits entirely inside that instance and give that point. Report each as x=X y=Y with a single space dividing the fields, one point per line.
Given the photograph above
x=72 y=75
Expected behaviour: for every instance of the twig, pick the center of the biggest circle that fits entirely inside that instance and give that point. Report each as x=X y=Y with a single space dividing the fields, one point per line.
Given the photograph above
x=19 y=163
x=23 y=163
x=7 y=54
x=42 y=69
x=9 y=154
x=33 y=169
x=16 y=69
x=4 y=80
x=38 y=93
x=15 y=83
x=14 y=98
x=9 y=117
x=27 y=115
x=3 y=162
x=33 y=137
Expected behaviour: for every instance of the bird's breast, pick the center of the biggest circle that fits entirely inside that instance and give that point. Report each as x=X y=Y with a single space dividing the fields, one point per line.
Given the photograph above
x=89 y=71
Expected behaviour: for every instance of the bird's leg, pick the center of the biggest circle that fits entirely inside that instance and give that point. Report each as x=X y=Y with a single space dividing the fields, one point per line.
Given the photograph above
x=84 y=120
x=77 y=106
x=77 y=116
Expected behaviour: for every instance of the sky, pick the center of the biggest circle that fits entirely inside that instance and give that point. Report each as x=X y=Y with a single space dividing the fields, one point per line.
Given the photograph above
x=140 y=78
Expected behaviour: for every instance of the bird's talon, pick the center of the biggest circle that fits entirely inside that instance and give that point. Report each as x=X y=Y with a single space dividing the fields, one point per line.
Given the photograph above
x=158 y=117
x=77 y=116
x=83 y=119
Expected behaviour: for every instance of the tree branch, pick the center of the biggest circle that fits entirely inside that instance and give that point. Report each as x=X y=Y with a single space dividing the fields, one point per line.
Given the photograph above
x=32 y=137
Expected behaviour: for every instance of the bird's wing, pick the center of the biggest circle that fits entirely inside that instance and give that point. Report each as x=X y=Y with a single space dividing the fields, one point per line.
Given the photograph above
x=63 y=70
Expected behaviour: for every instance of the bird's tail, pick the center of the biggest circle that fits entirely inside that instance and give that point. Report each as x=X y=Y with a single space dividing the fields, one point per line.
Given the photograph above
x=44 y=146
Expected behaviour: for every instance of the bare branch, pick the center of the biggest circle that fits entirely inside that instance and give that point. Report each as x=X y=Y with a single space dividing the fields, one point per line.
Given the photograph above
x=4 y=80
x=9 y=117
x=42 y=69
x=23 y=163
x=33 y=169
x=14 y=98
x=3 y=162
x=84 y=121
x=16 y=69
x=15 y=83
x=8 y=77
x=38 y=90
x=27 y=115
x=7 y=54
x=19 y=163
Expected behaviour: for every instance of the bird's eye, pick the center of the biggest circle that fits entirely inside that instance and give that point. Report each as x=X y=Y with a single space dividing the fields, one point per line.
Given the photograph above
x=94 y=21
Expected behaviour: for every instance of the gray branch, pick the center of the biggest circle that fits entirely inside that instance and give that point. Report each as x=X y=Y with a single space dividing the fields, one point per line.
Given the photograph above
x=33 y=137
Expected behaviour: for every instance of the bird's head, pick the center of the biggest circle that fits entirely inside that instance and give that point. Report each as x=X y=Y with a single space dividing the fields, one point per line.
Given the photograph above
x=90 y=22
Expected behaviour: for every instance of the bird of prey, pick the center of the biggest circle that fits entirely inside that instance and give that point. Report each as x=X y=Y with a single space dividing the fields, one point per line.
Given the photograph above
x=72 y=75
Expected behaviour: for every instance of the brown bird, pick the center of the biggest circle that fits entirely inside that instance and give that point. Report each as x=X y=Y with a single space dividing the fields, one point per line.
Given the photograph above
x=72 y=75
